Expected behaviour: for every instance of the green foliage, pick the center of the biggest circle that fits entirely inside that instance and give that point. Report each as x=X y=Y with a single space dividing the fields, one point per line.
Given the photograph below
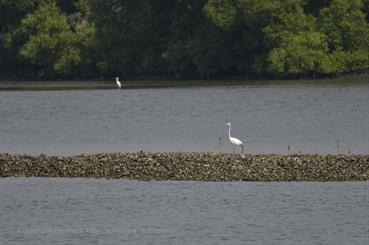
x=130 y=35
x=313 y=7
x=47 y=41
x=337 y=41
x=304 y=53
x=12 y=11
x=366 y=10
x=243 y=46
x=223 y=13
x=289 y=20
x=344 y=24
x=11 y=14
x=298 y=47
x=350 y=61
x=183 y=38
x=191 y=50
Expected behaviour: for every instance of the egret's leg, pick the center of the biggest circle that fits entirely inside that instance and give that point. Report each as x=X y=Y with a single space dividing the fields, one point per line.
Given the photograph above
x=234 y=150
x=242 y=149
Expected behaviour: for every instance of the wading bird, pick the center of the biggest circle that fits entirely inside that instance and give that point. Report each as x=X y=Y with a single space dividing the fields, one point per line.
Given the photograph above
x=234 y=141
x=118 y=83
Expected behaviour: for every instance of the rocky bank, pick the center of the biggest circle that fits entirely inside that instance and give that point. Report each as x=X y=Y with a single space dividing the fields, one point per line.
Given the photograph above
x=190 y=166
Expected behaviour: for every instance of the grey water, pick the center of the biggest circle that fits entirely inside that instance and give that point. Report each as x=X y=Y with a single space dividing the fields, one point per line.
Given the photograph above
x=309 y=118
x=302 y=118
x=98 y=211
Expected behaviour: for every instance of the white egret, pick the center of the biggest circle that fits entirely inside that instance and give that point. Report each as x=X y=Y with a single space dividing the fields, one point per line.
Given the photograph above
x=118 y=83
x=234 y=141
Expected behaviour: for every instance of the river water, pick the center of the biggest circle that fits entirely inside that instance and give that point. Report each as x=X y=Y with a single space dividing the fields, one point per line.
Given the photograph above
x=309 y=118
x=96 y=211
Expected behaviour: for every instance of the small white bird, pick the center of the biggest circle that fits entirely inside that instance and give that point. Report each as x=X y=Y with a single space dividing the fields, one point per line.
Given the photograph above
x=234 y=141
x=118 y=83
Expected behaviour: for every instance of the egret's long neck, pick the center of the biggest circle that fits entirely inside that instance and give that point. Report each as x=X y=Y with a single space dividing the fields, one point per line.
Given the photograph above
x=229 y=131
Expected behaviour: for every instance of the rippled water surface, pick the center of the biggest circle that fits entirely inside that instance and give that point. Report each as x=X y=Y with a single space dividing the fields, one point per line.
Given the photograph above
x=96 y=211
x=309 y=118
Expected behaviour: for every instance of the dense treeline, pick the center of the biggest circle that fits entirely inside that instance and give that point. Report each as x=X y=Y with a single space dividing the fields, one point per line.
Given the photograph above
x=183 y=38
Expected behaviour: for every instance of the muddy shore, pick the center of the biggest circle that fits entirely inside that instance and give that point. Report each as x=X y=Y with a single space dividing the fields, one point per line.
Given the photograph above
x=190 y=166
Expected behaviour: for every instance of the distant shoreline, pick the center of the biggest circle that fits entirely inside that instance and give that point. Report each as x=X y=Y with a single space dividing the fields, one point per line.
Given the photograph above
x=12 y=85
x=190 y=166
